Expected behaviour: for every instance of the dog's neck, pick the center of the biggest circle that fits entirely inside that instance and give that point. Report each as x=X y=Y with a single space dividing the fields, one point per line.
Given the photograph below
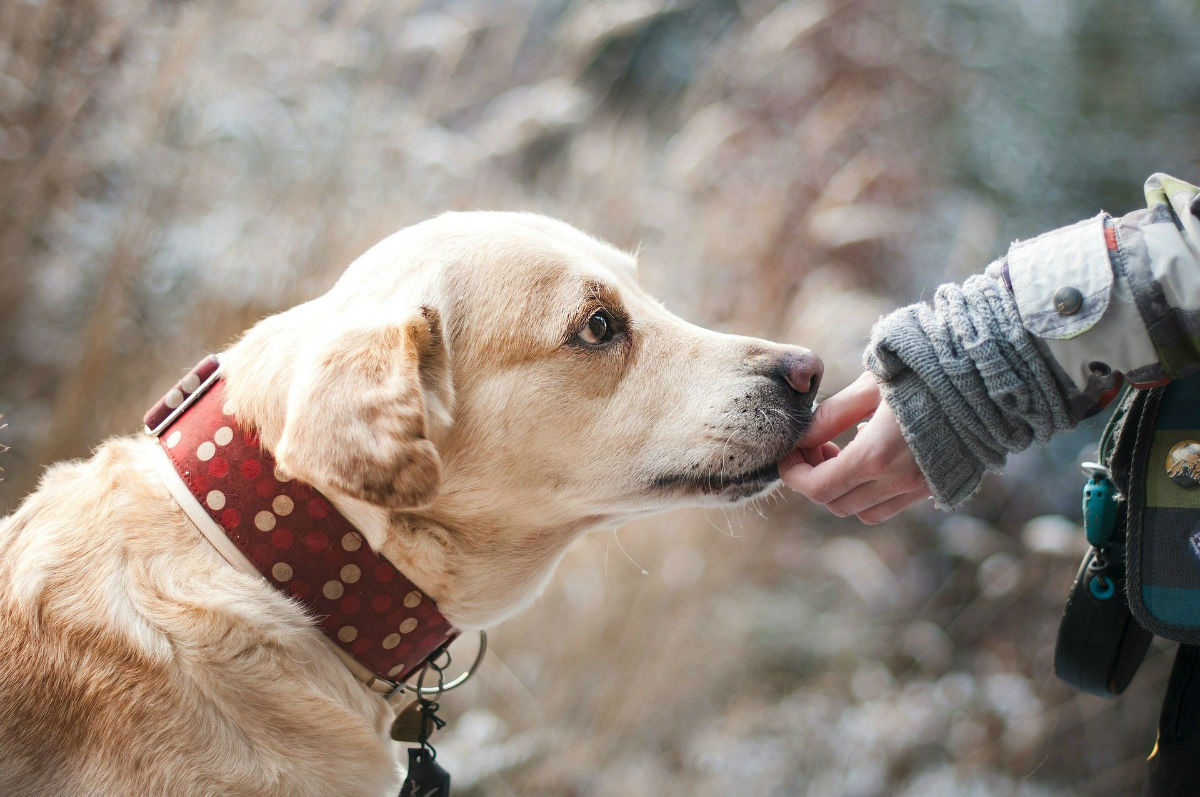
x=480 y=569
x=475 y=584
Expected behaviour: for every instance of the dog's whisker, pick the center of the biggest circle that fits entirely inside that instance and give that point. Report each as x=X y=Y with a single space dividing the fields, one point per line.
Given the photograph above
x=727 y=532
x=621 y=547
x=737 y=535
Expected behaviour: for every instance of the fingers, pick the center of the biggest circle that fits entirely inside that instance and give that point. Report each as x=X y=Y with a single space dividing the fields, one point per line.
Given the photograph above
x=811 y=456
x=892 y=507
x=874 y=477
x=828 y=451
x=825 y=482
x=842 y=410
x=874 y=493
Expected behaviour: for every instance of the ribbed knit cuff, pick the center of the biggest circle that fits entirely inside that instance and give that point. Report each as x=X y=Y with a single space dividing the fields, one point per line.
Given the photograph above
x=966 y=383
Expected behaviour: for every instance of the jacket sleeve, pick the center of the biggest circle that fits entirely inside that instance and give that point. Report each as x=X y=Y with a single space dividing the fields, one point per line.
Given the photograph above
x=1111 y=297
x=1022 y=352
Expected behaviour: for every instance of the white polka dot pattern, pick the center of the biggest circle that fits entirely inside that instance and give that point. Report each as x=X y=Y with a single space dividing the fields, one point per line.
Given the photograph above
x=351 y=573
x=215 y=499
x=264 y=521
x=282 y=571
x=223 y=436
x=205 y=451
x=173 y=438
x=282 y=505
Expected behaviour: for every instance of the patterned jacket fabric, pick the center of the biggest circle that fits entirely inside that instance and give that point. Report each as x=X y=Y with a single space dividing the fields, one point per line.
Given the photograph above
x=1149 y=330
x=987 y=370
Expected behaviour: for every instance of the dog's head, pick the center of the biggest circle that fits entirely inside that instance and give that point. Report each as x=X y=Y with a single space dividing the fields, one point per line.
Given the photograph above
x=505 y=372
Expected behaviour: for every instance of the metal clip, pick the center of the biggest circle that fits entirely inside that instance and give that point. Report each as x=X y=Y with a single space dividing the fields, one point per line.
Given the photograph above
x=421 y=690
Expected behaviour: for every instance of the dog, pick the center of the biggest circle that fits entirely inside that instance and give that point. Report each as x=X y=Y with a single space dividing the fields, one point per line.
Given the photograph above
x=474 y=393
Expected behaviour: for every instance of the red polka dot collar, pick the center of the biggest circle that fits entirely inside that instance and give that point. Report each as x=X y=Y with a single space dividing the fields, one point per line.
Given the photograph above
x=264 y=522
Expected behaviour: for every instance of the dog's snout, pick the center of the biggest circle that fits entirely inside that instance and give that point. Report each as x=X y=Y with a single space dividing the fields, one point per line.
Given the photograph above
x=801 y=371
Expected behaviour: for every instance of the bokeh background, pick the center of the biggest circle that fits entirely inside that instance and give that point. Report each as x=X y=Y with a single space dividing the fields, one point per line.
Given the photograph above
x=172 y=171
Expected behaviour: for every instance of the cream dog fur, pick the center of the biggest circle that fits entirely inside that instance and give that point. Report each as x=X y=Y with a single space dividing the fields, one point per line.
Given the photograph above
x=474 y=393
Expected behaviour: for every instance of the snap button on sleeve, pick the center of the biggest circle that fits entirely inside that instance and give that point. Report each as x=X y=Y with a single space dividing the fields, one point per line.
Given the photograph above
x=1068 y=300
x=1041 y=270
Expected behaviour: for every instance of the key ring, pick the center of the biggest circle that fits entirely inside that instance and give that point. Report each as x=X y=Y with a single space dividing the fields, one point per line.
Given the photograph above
x=420 y=689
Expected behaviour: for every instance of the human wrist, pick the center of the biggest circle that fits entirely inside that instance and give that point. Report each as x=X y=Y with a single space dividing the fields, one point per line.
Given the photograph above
x=951 y=471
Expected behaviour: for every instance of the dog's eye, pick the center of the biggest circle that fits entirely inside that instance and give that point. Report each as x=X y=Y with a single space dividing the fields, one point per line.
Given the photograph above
x=598 y=330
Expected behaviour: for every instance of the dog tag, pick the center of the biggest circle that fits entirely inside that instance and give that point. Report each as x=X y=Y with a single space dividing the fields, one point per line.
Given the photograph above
x=426 y=778
x=407 y=725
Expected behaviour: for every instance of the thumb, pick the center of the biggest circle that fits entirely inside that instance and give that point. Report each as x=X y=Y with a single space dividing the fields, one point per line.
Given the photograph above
x=842 y=410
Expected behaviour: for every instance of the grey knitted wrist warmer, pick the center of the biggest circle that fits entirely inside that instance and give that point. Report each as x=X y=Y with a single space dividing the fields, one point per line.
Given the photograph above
x=967 y=384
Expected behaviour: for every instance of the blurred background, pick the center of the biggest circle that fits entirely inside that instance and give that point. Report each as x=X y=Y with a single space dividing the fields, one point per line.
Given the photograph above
x=172 y=171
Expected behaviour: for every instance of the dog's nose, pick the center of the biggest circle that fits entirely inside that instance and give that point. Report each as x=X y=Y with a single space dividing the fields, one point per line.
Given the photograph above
x=802 y=371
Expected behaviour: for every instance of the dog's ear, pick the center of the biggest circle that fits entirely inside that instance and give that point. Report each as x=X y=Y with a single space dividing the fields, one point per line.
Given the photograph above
x=357 y=420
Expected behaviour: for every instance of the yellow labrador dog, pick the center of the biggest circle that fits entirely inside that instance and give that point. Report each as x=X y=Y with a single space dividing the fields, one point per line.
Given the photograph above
x=473 y=394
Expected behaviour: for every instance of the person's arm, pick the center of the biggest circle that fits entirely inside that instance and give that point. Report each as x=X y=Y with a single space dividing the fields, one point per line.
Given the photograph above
x=1011 y=357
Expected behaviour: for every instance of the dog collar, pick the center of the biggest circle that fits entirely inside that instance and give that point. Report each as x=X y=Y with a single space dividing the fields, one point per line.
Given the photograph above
x=265 y=522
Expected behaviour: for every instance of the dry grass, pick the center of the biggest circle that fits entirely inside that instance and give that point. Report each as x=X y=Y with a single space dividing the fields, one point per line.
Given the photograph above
x=171 y=172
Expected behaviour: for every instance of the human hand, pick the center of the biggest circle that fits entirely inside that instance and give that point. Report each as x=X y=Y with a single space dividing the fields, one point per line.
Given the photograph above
x=874 y=477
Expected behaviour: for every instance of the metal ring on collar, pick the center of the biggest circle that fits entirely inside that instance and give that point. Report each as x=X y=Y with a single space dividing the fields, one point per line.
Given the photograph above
x=456 y=682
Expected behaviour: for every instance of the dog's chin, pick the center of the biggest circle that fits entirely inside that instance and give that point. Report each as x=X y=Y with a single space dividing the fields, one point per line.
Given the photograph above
x=708 y=483
x=724 y=487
